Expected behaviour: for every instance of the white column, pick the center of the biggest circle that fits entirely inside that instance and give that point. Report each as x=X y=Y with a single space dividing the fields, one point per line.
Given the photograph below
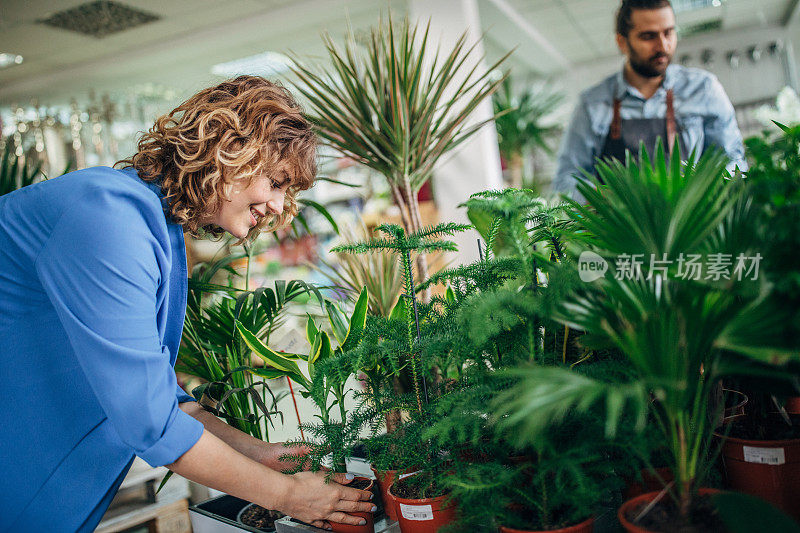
x=475 y=165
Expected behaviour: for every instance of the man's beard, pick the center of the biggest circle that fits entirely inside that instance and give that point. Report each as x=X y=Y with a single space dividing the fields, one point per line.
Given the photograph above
x=647 y=67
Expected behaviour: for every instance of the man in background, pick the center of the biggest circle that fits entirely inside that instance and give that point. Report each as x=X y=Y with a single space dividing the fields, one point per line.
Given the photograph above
x=649 y=99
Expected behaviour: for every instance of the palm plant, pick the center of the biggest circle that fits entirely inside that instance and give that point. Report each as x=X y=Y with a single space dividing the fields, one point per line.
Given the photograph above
x=396 y=106
x=212 y=349
x=678 y=334
x=520 y=124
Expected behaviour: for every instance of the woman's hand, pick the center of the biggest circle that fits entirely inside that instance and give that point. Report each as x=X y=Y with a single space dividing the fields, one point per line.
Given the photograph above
x=316 y=502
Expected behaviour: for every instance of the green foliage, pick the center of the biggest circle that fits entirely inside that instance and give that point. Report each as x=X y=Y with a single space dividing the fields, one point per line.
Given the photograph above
x=213 y=350
x=774 y=179
x=325 y=383
x=13 y=175
x=396 y=240
x=520 y=116
x=394 y=104
x=379 y=272
x=673 y=331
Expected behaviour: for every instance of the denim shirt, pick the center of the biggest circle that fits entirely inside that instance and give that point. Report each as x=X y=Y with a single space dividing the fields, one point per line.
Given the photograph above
x=704 y=114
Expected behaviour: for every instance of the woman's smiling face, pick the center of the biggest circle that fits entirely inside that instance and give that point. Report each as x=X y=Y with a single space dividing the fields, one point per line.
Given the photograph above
x=247 y=204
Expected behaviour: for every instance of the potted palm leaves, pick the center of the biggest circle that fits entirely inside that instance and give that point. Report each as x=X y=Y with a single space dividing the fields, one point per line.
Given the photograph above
x=521 y=128
x=680 y=332
x=232 y=386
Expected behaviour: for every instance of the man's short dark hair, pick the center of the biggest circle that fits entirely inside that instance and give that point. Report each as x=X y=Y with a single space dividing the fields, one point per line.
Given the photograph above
x=626 y=8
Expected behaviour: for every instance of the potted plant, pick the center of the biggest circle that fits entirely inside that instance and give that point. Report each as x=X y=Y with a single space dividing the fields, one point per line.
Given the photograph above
x=520 y=125
x=760 y=453
x=326 y=385
x=232 y=386
x=396 y=106
x=398 y=342
x=677 y=334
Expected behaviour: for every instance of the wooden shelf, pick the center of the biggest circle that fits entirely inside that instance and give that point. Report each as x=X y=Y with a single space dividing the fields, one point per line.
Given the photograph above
x=170 y=517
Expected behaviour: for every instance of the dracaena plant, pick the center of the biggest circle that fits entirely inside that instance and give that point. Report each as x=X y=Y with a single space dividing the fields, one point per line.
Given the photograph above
x=679 y=335
x=324 y=383
x=397 y=105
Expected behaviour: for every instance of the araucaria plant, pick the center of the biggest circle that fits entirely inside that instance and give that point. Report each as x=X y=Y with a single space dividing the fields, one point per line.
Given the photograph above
x=324 y=383
x=396 y=240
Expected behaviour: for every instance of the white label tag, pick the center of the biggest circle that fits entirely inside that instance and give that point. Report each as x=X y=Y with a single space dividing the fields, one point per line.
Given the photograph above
x=403 y=476
x=766 y=456
x=416 y=512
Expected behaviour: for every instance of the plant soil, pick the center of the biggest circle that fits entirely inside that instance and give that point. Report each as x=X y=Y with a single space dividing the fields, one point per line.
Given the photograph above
x=406 y=489
x=773 y=427
x=665 y=518
x=529 y=520
x=359 y=483
x=258 y=517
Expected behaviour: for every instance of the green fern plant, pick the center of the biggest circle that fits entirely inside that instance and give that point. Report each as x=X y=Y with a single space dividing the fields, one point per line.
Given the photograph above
x=397 y=241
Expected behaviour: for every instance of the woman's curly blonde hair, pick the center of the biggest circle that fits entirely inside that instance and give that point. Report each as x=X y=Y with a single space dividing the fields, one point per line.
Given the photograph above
x=240 y=129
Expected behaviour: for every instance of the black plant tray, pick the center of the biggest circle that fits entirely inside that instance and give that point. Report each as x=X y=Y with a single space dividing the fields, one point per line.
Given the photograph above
x=224 y=509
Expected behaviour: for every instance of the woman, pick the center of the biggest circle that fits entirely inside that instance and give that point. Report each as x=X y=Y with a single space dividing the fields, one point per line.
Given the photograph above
x=92 y=300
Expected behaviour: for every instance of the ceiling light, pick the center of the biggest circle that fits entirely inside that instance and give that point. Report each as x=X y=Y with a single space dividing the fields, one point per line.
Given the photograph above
x=9 y=60
x=267 y=64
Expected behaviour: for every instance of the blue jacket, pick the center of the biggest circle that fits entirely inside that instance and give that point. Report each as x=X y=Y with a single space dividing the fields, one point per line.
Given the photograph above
x=93 y=287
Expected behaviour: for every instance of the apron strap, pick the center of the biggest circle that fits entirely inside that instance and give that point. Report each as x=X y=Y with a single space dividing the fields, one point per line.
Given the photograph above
x=616 y=121
x=671 y=125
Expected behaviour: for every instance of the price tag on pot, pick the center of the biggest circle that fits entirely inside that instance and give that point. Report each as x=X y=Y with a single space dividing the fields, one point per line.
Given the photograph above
x=403 y=476
x=766 y=456
x=416 y=512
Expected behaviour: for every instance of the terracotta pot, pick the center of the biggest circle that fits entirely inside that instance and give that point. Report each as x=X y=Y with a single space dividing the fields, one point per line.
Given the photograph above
x=792 y=405
x=631 y=505
x=384 y=479
x=649 y=482
x=587 y=526
x=369 y=527
x=769 y=469
x=424 y=515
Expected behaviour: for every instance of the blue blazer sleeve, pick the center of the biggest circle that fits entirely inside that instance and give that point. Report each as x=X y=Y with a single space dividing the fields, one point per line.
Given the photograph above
x=102 y=268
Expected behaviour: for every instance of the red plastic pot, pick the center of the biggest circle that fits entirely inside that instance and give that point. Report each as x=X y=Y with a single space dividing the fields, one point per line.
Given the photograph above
x=424 y=515
x=792 y=405
x=649 y=482
x=587 y=526
x=768 y=469
x=369 y=527
x=385 y=478
x=631 y=506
